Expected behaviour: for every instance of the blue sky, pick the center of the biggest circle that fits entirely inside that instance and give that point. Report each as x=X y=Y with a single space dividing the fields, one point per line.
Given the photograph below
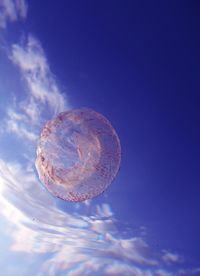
x=136 y=63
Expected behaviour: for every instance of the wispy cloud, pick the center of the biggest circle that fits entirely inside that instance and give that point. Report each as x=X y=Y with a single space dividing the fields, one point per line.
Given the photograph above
x=12 y=10
x=43 y=99
x=189 y=272
x=169 y=257
x=18 y=124
x=70 y=242
x=32 y=62
x=104 y=211
x=118 y=269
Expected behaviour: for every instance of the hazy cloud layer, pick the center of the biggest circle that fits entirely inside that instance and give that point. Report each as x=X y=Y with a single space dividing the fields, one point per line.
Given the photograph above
x=70 y=242
x=12 y=10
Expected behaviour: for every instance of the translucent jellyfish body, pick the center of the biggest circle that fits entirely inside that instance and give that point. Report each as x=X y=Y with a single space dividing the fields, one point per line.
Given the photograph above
x=78 y=155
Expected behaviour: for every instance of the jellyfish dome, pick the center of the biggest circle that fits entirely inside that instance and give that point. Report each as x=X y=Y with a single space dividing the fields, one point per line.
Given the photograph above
x=78 y=155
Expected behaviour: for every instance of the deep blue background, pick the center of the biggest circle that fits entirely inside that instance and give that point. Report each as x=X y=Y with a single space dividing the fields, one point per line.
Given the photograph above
x=137 y=62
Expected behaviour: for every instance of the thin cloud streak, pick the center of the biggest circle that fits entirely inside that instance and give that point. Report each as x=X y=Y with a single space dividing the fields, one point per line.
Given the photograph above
x=12 y=10
x=43 y=98
x=170 y=257
x=32 y=62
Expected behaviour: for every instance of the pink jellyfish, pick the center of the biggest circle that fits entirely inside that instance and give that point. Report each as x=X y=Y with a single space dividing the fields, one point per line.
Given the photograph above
x=78 y=155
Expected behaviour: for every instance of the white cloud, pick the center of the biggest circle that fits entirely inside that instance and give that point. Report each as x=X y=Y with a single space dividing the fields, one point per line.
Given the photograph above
x=133 y=249
x=169 y=257
x=189 y=272
x=70 y=242
x=71 y=238
x=43 y=98
x=162 y=272
x=34 y=67
x=17 y=123
x=118 y=269
x=12 y=10
x=104 y=211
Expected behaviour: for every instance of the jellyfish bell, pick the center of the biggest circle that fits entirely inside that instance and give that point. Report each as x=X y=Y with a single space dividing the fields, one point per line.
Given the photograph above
x=78 y=155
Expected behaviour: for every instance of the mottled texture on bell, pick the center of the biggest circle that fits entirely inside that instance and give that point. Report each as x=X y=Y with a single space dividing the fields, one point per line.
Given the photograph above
x=78 y=155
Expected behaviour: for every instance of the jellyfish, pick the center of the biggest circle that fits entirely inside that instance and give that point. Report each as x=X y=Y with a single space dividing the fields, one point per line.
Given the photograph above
x=78 y=155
